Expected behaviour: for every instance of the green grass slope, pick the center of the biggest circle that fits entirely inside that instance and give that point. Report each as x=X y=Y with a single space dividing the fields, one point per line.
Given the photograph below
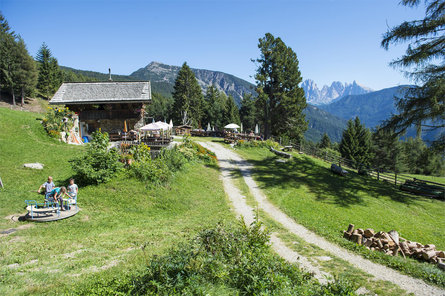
x=306 y=190
x=115 y=220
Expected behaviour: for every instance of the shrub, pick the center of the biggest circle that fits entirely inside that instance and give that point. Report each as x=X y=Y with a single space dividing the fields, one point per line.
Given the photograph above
x=140 y=152
x=53 y=120
x=194 y=151
x=257 y=144
x=173 y=158
x=99 y=164
x=238 y=258
x=152 y=171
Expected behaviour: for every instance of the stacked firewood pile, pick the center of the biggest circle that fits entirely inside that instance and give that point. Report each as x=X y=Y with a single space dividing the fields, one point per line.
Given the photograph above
x=392 y=244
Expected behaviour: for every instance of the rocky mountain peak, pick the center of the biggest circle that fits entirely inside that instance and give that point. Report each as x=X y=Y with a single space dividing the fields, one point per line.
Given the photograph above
x=328 y=94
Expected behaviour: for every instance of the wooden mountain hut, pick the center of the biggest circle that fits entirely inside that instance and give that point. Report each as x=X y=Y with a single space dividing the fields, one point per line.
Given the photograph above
x=183 y=130
x=113 y=107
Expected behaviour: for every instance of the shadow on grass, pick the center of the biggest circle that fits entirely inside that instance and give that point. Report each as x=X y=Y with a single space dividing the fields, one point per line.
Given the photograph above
x=326 y=186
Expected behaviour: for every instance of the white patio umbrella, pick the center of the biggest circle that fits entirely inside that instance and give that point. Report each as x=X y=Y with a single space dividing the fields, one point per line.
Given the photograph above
x=213 y=128
x=153 y=120
x=171 y=124
x=208 y=127
x=151 y=127
x=241 y=127
x=257 y=130
x=163 y=125
x=232 y=126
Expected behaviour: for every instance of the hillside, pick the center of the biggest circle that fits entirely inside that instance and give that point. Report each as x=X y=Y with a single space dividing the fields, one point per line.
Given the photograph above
x=321 y=122
x=372 y=108
x=104 y=239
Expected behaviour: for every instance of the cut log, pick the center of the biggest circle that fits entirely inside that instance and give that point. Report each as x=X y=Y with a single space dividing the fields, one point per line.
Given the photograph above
x=360 y=231
x=430 y=247
x=346 y=235
x=392 y=244
x=394 y=235
x=412 y=245
x=357 y=238
x=380 y=244
x=440 y=254
x=441 y=265
x=350 y=228
x=369 y=232
x=281 y=153
x=428 y=254
x=368 y=243
x=379 y=234
x=405 y=248
x=395 y=252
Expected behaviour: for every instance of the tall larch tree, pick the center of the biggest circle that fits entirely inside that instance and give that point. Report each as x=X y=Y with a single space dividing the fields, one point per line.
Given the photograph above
x=280 y=100
x=188 y=106
x=424 y=59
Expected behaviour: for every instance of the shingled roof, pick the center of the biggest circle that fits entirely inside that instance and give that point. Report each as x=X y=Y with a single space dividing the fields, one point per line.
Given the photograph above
x=102 y=92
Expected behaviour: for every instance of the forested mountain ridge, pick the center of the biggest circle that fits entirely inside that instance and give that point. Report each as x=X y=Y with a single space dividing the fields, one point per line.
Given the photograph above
x=231 y=85
x=372 y=108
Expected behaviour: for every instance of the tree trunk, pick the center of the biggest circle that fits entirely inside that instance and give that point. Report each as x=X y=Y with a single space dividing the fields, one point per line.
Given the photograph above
x=23 y=97
x=13 y=96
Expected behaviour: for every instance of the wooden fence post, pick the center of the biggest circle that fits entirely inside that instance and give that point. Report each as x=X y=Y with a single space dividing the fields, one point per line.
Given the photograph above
x=378 y=174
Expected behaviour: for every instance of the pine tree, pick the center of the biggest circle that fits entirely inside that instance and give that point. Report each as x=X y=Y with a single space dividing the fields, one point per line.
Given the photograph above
x=387 y=151
x=7 y=57
x=248 y=112
x=280 y=100
x=425 y=57
x=232 y=112
x=160 y=107
x=26 y=75
x=50 y=75
x=188 y=98
x=325 y=141
x=355 y=144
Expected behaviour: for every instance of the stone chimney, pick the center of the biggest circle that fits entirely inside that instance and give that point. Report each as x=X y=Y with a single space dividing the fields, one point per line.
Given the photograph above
x=109 y=73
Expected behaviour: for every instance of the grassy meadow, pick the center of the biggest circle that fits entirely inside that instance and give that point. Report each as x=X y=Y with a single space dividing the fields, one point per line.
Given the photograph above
x=306 y=190
x=104 y=239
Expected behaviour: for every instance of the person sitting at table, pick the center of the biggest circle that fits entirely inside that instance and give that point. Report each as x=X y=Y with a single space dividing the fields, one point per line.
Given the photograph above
x=48 y=185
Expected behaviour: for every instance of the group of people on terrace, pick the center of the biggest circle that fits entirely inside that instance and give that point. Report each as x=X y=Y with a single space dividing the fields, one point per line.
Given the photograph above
x=55 y=194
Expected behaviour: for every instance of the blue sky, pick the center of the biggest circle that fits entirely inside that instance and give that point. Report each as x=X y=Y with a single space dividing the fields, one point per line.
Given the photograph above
x=335 y=40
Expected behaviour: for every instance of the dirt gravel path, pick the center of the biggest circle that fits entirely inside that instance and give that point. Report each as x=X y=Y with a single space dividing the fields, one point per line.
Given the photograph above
x=243 y=210
x=230 y=161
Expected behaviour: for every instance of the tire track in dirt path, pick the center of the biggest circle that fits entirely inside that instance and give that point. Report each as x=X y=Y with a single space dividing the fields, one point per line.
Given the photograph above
x=230 y=161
